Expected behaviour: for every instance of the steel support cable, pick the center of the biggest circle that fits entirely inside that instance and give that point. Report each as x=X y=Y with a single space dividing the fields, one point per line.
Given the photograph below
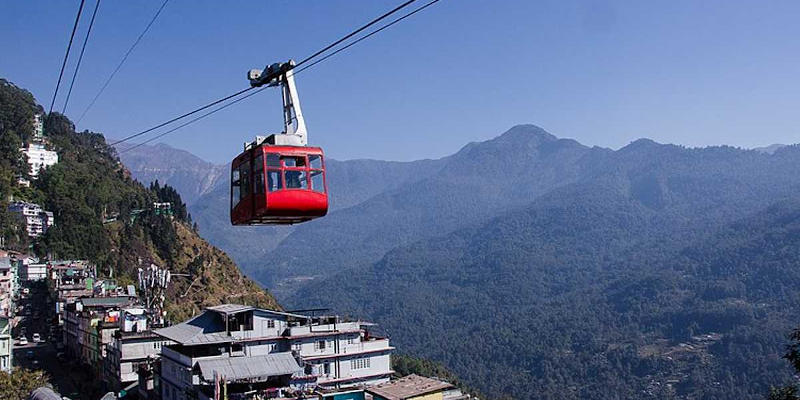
x=384 y=16
x=124 y=58
x=297 y=72
x=80 y=58
x=66 y=56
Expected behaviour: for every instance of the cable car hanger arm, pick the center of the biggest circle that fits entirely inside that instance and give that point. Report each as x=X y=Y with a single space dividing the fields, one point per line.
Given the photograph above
x=294 y=132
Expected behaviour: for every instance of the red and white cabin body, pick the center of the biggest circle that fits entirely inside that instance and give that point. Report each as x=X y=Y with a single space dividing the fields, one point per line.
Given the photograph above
x=278 y=185
x=278 y=179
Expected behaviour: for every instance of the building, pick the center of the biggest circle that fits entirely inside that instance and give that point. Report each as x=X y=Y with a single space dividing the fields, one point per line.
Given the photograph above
x=6 y=345
x=38 y=127
x=89 y=326
x=36 y=220
x=38 y=158
x=33 y=272
x=268 y=353
x=6 y=287
x=412 y=387
x=133 y=346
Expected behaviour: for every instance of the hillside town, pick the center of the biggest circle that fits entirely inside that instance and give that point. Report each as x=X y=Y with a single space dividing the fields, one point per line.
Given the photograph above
x=56 y=314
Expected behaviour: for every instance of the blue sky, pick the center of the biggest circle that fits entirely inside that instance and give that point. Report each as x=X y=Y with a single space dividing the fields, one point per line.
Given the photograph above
x=602 y=72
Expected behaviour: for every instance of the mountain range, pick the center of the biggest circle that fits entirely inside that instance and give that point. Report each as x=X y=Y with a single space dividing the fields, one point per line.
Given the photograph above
x=538 y=267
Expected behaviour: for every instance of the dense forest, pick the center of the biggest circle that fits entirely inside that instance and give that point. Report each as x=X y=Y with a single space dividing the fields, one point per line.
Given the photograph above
x=105 y=216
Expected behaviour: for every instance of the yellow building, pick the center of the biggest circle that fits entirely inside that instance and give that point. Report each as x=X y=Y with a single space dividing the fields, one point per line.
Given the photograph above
x=411 y=387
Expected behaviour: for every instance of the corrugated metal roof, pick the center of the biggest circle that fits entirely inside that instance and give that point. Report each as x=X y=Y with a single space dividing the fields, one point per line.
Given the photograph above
x=230 y=308
x=44 y=393
x=204 y=328
x=407 y=387
x=106 y=301
x=249 y=368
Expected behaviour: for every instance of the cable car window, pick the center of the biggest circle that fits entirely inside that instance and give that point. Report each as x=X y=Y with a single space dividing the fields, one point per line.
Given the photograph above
x=273 y=160
x=295 y=179
x=258 y=175
x=244 y=173
x=294 y=161
x=315 y=161
x=317 y=181
x=273 y=180
x=234 y=188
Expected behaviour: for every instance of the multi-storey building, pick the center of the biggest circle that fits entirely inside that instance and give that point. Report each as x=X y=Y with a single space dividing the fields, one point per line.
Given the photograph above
x=260 y=353
x=89 y=325
x=36 y=220
x=38 y=127
x=6 y=287
x=39 y=157
x=6 y=345
x=132 y=346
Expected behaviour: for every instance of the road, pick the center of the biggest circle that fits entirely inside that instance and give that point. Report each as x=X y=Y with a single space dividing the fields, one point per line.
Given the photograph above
x=37 y=316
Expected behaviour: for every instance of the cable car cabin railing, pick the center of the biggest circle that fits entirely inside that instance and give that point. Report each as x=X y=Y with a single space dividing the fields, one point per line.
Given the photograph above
x=278 y=185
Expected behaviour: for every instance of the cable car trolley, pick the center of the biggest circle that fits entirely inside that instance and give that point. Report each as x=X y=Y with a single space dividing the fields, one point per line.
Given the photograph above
x=278 y=179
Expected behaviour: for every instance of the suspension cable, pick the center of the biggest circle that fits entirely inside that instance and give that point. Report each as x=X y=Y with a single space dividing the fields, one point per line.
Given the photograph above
x=124 y=58
x=249 y=88
x=66 y=56
x=80 y=58
x=297 y=72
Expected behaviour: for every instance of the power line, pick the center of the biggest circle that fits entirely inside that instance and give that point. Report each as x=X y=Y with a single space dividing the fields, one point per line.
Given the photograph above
x=125 y=139
x=355 y=32
x=193 y=120
x=124 y=58
x=296 y=65
x=66 y=56
x=80 y=58
x=366 y=36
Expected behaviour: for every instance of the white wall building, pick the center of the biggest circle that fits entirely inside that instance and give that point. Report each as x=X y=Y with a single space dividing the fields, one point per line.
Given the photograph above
x=38 y=126
x=36 y=220
x=262 y=352
x=132 y=345
x=39 y=157
x=6 y=287
x=6 y=345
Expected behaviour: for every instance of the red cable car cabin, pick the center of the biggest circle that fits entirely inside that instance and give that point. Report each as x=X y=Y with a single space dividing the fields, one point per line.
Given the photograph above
x=278 y=185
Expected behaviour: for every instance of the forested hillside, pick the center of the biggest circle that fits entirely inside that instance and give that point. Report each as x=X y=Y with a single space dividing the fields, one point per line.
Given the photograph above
x=103 y=215
x=537 y=267
x=630 y=284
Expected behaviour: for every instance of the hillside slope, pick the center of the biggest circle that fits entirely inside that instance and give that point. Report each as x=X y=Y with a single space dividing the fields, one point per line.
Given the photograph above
x=90 y=187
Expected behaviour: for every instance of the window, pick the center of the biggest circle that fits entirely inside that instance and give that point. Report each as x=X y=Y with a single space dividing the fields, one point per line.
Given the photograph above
x=292 y=161
x=319 y=345
x=273 y=180
x=318 y=181
x=295 y=179
x=270 y=323
x=315 y=161
x=297 y=346
x=359 y=363
x=351 y=340
x=327 y=368
x=244 y=174
x=258 y=175
x=273 y=160
x=235 y=186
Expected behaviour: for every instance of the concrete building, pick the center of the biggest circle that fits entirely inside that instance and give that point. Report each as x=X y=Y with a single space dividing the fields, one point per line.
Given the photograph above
x=6 y=345
x=411 y=387
x=89 y=326
x=6 y=287
x=266 y=353
x=133 y=346
x=38 y=158
x=38 y=127
x=36 y=220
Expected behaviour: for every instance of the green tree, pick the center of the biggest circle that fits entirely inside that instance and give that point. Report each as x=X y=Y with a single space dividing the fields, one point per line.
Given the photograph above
x=793 y=356
x=18 y=384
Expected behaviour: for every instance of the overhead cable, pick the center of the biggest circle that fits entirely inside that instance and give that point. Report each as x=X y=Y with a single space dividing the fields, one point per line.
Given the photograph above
x=124 y=58
x=80 y=58
x=297 y=72
x=66 y=56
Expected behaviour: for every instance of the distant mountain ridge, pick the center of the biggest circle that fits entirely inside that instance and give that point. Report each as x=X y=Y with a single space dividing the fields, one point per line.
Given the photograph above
x=651 y=271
